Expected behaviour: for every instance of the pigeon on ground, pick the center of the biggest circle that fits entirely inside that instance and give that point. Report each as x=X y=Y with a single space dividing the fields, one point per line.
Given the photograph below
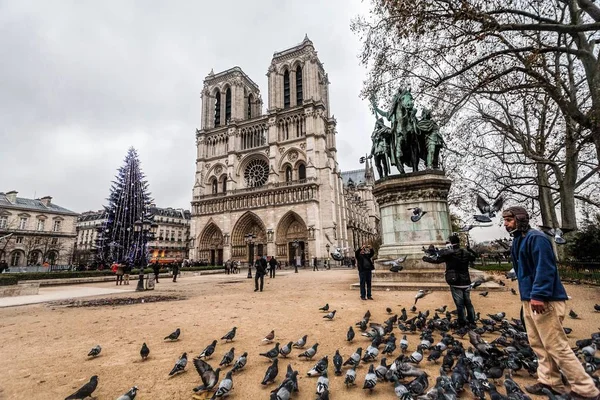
x=208 y=351
x=382 y=369
x=371 y=354
x=290 y=376
x=86 y=390
x=597 y=307
x=130 y=395
x=399 y=389
x=416 y=356
x=300 y=343
x=388 y=310
x=286 y=349
x=227 y=358
x=284 y=392
x=271 y=373
x=354 y=359
x=417 y=214
x=337 y=362
x=325 y=308
x=310 y=353
x=484 y=294
x=209 y=377
x=240 y=363
x=224 y=387
x=324 y=395
x=567 y=330
x=269 y=338
x=330 y=315
x=370 y=379
x=403 y=344
x=442 y=309
x=273 y=353
x=179 y=365
x=413 y=308
x=350 y=335
x=486 y=209
x=418 y=385
x=173 y=336
x=350 y=378
x=322 y=383
x=229 y=335
x=513 y=291
x=95 y=351
x=573 y=314
x=145 y=351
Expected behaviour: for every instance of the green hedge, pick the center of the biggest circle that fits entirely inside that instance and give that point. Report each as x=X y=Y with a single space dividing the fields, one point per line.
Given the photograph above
x=493 y=267
x=6 y=280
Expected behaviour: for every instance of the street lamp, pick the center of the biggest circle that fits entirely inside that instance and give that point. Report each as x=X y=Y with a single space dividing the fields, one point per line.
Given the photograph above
x=296 y=245
x=146 y=229
x=250 y=241
x=327 y=258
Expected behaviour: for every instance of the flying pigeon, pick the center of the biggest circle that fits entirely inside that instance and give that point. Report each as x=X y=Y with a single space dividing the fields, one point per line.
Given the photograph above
x=269 y=338
x=350 y=335
x=95 y=351
x=229 y=335
x=488 y=210
x=86 y=390
x=145 y=351
x=330 y=315
x=224 y=387
x=209 y=377
x=320 y=367
x=209 y=350
x=227 y=358
x=271 y=373
x=310 y=353
x=337 y=254
x=395 y=264
x=300 y=343
x=173 y=336
x=322 y=383
x=179 y=365
x=417 y=214
x=130 y=395
x=370 y=379
x=484 y=294
x=420 y=294
x=273 y=353
x=286 y=349
x=350 y=378
x=337 y=362
x=325 y=308
x=240 y=363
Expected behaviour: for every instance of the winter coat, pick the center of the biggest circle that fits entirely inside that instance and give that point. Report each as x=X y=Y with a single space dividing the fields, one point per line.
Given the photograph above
x=457 y=265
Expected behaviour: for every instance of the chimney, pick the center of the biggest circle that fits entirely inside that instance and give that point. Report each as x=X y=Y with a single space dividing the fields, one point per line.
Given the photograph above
x=46 y=200
x=12 y=196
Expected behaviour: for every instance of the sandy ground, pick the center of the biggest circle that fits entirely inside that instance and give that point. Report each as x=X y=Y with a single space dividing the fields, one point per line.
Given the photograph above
x=44 y=346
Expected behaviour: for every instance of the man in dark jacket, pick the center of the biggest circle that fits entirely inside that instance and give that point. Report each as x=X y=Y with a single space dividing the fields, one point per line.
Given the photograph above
x=272 y=266
x=261 y=270
x=365 y=266
x=457 y=276
x=544 y=308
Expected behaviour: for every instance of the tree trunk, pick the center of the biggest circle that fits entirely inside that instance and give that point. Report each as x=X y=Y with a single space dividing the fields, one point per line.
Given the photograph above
x=547 y=210
x=569 y=179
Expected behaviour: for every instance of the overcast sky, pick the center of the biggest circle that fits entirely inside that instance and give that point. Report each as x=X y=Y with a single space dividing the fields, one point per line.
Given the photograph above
x=81 y=81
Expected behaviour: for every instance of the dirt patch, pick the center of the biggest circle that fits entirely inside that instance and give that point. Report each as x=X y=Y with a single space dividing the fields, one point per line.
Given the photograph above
x=118 y=301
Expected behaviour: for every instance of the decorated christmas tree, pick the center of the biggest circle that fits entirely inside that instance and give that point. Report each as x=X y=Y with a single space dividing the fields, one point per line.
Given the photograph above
x=121 y=238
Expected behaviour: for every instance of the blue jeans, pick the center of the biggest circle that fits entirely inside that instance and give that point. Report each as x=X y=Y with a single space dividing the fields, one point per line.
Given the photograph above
x=365 y=282
x=462 y=299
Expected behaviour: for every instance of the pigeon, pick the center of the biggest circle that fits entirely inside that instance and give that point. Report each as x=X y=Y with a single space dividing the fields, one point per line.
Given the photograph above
x=484 y=294
x=488 y=210
x=271 y=373
x=513 y=291
x=324 y=395
x=229 y=335
x=322 y=383
x=130 y=395
x=417 y=214
x=416 y=356
x=418 y=385
x=403 y=317
x=371 y=353
x=330 y=315
x=403 y=344
x=179 y=365
x=354 y=359
x=300 y=343
x=240 y=363
x=395 y=265
x=209 y=350
x=388 y=310
x=209 y=377
x=382 y=369
x=286 y=349
x=512 y=275
x=269 y=338
x=573 y=314
x=86 y=390
x=597 y=307
x=224 y=388
x=557 y=233
x=173 y=336
x=399 y=389
x=350 y=378
x=350 y=335
x=284 y=392
x=567 y=330
x=310 y=353
x=290 y=376
x=442 y=309
x=370 y=379
x=227 y=358
x=273 y=353
x=420 y=294
x=337 y=362
x=325 y=308
x=95 y=351
x=145 y=351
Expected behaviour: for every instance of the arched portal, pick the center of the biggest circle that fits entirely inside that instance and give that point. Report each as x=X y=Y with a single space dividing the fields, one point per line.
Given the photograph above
x=292 y=238
x=210 y=245
x=248 y=238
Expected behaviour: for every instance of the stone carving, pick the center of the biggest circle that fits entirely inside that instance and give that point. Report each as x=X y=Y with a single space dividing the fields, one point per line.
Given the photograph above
x=303 y=146
x=410 y=195
x=218 y=169
x=207 y=165
x=293 y=156
x=281 y=150
x=239 y=156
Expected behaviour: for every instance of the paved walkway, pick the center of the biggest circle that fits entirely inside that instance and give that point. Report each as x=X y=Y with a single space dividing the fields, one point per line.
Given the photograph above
x=61 y=293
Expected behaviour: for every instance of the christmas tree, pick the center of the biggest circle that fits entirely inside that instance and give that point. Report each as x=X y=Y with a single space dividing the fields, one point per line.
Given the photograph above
x=128 y=204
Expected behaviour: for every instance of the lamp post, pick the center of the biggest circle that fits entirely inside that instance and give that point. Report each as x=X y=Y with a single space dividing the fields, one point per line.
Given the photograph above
x=250 y=241
x=296 y=245
x=146 y=229
x=327 y=258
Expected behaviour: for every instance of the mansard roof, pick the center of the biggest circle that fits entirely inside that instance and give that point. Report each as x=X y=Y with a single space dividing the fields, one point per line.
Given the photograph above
x=22 y=203
x=171 y=212
x=357 y=177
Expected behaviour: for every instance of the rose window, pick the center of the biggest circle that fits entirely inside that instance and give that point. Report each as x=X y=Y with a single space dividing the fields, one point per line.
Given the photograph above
x=256 y=173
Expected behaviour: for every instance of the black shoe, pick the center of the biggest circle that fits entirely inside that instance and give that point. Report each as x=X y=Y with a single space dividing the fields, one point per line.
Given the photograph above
x=369 y=298
x=363 y=298
x=537 y=389
x=256 y=290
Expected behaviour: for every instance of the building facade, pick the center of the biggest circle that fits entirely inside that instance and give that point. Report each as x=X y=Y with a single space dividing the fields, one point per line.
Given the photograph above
x=35 y=231
x=88 y=225
x=270 y=184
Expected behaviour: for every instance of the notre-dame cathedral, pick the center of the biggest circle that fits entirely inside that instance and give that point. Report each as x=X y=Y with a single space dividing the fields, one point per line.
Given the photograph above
x=270 y=184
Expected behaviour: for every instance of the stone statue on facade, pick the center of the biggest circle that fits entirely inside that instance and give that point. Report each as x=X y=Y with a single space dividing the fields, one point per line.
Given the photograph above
x=380 y=148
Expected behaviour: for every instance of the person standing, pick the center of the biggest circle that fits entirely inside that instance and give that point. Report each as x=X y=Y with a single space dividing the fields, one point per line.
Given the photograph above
x=156 y=270
x=261 y=270
x=457 y=277
x=126 y=271
x=120 y=271
x=315 y=266
x=363 y=257
x=272 y=267
x=175 y=271
x=543 y=298
x=228 y=267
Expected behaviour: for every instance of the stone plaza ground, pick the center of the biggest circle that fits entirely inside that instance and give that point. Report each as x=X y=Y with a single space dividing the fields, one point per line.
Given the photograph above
x=44 y=347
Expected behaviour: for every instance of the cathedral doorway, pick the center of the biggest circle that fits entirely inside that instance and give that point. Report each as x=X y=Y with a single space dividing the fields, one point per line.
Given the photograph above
x=210 y=245
x=292 y=239
x=248 y=238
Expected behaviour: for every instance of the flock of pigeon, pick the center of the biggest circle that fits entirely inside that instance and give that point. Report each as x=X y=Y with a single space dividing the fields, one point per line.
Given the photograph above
x=479 y=367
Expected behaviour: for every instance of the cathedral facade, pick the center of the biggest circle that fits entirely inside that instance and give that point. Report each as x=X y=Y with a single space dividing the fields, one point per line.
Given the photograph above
x=269 y=183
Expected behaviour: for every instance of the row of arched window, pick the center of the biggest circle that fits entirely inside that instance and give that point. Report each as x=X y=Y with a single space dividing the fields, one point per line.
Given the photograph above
x=287 y=86
x=291 y=175
x=218 y=120
x=215 y=184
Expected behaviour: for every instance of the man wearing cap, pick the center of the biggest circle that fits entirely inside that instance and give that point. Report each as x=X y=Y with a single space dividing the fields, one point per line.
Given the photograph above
x=544 y=308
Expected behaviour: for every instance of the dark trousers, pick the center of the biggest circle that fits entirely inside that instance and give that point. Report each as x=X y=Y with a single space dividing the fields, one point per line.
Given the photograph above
x=365 y=282
x=258 y=276
x=462 y=300
x=315 y=267
x=272 y=271
x=156 y=276
x=175 y=272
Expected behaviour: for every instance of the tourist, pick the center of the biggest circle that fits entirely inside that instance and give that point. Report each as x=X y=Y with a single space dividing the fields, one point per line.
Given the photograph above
x=365 y=267
x=156 y=270
x=126 y=272
x=261 y=270
x=175 y=271
x=119 y=273
x=272 y=267
x=227 y=266
x=315 y=266
x=457 y=277
x=543 y=299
